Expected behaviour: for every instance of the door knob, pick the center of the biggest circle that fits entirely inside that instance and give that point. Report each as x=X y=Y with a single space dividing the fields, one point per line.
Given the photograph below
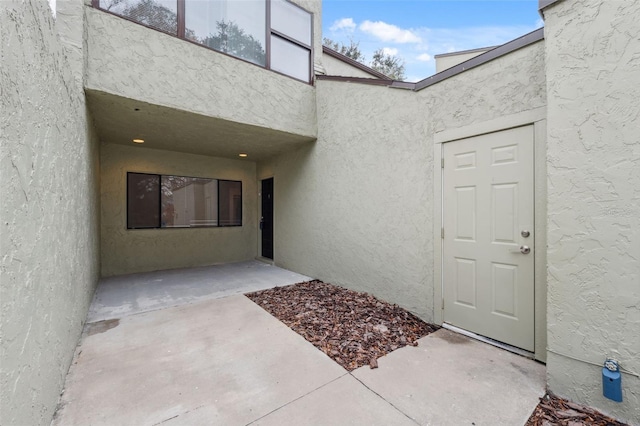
x=525 y=249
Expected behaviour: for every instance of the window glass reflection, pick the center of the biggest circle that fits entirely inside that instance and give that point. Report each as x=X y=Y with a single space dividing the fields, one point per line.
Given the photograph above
x=234 y=27
x=189 y=202
x=291 y=21
x=230 y=203
x=159 y=14
x=143 y=199
x=289 y=58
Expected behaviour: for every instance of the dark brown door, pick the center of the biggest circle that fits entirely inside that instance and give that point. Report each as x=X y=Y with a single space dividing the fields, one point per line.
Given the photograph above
x=266 y=222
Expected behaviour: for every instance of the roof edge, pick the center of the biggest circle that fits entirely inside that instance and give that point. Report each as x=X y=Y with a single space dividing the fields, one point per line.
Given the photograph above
x=361 y=80
x=543 y=4
x=462 y=52
x=354 y=63
x=511 y=46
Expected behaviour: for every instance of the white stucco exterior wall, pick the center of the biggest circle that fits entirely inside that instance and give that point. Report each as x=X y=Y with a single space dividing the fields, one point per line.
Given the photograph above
x=126 y=251
x=593 y=74
x=507 y=85
x=49 y=232
x=135 y=62
x=353 y=209
x=357 y=207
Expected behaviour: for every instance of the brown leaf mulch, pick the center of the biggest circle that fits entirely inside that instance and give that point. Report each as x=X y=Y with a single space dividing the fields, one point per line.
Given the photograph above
x=554 y=411
x=352 y=328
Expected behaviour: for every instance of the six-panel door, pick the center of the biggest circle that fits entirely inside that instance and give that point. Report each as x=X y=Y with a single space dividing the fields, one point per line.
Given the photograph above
x=488 y=209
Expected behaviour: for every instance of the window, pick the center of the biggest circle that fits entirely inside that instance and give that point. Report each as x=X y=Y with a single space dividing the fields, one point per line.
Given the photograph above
x=159 y=14
x=237 y=28
x=290 y=40
x=167 y=201
x=280 y=40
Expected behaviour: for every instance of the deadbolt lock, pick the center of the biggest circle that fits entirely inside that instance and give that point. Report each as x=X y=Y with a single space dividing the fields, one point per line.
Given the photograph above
x=525 y=233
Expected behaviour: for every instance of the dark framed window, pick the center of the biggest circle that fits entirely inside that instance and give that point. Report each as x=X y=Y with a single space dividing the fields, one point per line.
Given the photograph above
x=274 y=34
x=169 y=201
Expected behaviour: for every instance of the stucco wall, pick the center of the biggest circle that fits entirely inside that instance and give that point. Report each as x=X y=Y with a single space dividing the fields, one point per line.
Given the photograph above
x=510 y=84
x=127 y=251
x=493 y=97
x=357 y=207
x=353 y=209
x=132 y=61
x=593 y=72
x=49 y=242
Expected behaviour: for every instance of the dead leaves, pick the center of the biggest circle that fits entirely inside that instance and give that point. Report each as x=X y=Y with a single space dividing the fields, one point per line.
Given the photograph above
x=352 y=328
x=554 y=411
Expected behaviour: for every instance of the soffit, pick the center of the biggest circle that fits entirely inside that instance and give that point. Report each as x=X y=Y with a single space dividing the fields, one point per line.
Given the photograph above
x=119 y=120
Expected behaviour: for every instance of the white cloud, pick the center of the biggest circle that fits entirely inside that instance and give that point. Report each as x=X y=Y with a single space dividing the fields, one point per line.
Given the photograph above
x=390 y=51
x=388 y=32
x=425 y=57
x=343 y=24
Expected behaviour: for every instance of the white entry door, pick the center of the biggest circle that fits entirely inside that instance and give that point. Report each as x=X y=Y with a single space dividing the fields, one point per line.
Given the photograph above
x=488 y=213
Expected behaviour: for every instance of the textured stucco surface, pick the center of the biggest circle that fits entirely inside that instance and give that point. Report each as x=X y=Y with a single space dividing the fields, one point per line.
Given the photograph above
x=593 y=72
x=132 y=61
x=356 y=208
x=127 y=251
x=507 y=85
x=49 y=212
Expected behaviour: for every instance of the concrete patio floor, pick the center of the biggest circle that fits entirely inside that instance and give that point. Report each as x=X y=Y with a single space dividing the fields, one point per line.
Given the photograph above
x=186 y=350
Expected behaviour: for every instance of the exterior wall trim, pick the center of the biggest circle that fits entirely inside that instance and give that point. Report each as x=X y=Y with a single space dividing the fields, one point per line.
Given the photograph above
x=459 y=52
x=361 y=80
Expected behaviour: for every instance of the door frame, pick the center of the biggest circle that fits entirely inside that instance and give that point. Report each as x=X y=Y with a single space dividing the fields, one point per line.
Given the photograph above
x=537 y=118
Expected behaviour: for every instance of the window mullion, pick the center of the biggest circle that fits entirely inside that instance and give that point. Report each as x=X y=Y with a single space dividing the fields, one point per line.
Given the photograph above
x=180 y=18
x=268 y=35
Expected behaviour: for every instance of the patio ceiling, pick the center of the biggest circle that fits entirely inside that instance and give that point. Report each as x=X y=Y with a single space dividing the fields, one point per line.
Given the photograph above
x=120 y=120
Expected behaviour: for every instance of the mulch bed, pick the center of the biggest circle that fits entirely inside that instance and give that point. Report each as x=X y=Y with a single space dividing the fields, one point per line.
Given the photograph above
x=552 y=411
x=352 y=328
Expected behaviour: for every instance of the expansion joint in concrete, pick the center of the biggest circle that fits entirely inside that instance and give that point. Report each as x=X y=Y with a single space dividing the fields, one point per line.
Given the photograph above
x=298 y=398
x=384 y=399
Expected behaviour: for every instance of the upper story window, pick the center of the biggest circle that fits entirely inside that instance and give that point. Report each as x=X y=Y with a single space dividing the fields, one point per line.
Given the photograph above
x=280 y=40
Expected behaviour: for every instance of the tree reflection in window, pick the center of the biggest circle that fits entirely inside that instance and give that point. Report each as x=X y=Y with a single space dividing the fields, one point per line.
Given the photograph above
x=232 y=39
x=159 y=14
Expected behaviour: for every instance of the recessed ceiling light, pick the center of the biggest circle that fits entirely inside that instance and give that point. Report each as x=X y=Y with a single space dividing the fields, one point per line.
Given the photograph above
x=243 y=155
x=138 y=141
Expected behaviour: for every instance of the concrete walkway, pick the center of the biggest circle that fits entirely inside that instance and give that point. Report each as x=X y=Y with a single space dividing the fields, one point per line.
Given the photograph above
x=224 y=361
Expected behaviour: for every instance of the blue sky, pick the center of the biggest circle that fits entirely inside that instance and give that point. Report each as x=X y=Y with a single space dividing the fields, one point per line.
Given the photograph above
x=416 y=30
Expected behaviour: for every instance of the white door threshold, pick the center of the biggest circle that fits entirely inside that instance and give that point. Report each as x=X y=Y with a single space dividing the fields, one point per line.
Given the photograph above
x=492 y=342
